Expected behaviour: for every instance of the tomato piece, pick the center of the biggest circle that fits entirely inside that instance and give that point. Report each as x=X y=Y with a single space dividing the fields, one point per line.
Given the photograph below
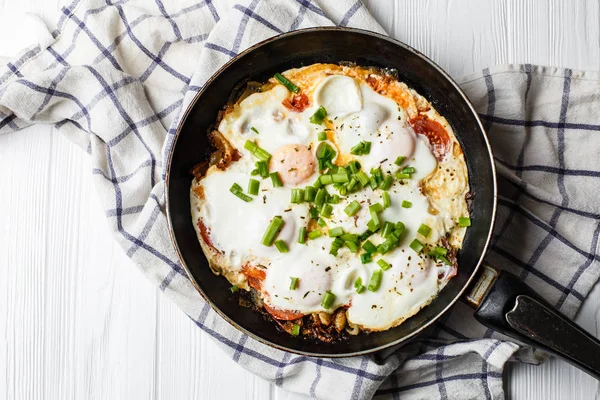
x=298 y=103
x=205 y=235
x=251 y=271
x=285 y=315
x=436 y=134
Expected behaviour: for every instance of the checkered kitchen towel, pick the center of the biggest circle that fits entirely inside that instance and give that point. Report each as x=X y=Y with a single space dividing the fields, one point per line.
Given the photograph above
x=118 y=75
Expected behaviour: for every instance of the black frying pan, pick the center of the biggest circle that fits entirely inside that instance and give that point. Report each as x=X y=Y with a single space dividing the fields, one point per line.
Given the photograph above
x=501 y=300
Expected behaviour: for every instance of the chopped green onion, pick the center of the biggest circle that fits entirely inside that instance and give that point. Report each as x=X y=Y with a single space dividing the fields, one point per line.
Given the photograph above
x=400 y=175
x=352 y=245
x=253 y=129
x=377 y=207
x=440 y=251
x=322 y=136
x=416 y=245
x=318 y=116
x=388 y=228
x=272 y=231
x=317 y=184
x=254 y=172
x=353 y=237
x=263 y=170
x=293 y=283
x=424 y=230
x=314 y=234
x=335 y=199
x=328 y=300
x=376 y=172
x=320 y=196
x=234 y=288
x=387 y=202
x=444 y=260
x=286 y=82
x=361 y=148
x=406 y=204
x=464 y=221
x=276 y=179
x=335 y=246
x=399 y=228
x=296 y=330
x=313 y=213
x=373 y=182
x=358 y=282
x=350 y=185
x=373 y=226
x=365 y=235
x=387 y=183
x=297 y=196
x=367 y=148
x=354 y=166
x=383 y=264
x=408 y=170
x=385 y=247
x=309 y=193
x=399 y=160
x=250 y=146
x=253 y=186
x=340 y=178
x=326 y=179
x=326 y=210
x=237 y=190
x=360 y=289
x=352 y=208
x=343 y=190
x=281 y=246
x=302 y=235
x=366 y=258
x=362 y=178
x=375 y=281
x=321 y=222
x=369 y=247
x=335 y=232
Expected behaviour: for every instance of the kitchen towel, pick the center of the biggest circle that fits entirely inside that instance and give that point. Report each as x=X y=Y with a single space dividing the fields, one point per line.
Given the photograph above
x=118 y=74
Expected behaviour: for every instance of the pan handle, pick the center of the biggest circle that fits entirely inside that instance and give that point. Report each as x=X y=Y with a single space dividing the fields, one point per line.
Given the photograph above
x=506 y=304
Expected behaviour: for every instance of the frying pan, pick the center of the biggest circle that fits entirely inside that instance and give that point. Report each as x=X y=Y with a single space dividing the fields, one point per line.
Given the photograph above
x=501 y=300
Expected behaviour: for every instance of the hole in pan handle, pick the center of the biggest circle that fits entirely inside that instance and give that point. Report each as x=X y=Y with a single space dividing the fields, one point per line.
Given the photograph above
x=506 y=304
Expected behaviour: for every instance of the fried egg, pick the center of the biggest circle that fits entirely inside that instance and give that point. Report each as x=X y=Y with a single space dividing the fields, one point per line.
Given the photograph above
x=404 y=138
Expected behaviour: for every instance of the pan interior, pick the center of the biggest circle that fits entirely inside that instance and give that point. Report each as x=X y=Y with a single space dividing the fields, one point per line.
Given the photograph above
x=328 y=45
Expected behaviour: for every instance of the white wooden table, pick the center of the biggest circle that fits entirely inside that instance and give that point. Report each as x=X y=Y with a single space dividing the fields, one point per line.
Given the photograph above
x=77 y=321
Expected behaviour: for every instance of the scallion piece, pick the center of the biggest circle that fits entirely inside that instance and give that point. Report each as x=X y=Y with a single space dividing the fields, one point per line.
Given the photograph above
x=254 y=172
x=281 y=246
x=340 y=178
x=293 y=283
x=369 y=247
x=326 y=179
x=362 y=177
x=321 y=222
x=387 y=202
x=387 y=183
x=263 y=170
x=408 y=170
x=388 y=228
x=320 y=197
x=399 y=160
x=350 y=237
x=464 y=222
x=417 y=245
x=373 y=182
x=343 y=190
x=322 y=136
x=335 y=199
x=400 y=175
x=335 y=232
x=365 y=235
x=383 y=264
x=253 y=129
x=440 y=251
x=328 y=300
x=253 y=186
x=309 y=193
x=317 y=184
x=424 y=230
x=366 y=258
x=276 y=179
x=313 y=213
x=250 y=146
x=352 y=245
x=326 y=210
x=314 y=234
x=259 y=153
x=367 y=147
x=296 y=330
x=375 y=219
x=375 y=281
x=302 y=235
x=286 y=82
x=237 y=190
x=399 y=228
x=359 y=286
x=350 y=185
x=372 y=226
x=272 y=231
x=234 y=288
x=406 y=204
x=376 y=172
x=352 y=208
x=354 y=166
x=318 y=116
x=357 y=149
x=360 y=289
x=377 y=207
x=297 y=196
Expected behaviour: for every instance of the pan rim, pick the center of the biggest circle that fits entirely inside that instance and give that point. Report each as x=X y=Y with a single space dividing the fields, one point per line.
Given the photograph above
x=215 y=76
